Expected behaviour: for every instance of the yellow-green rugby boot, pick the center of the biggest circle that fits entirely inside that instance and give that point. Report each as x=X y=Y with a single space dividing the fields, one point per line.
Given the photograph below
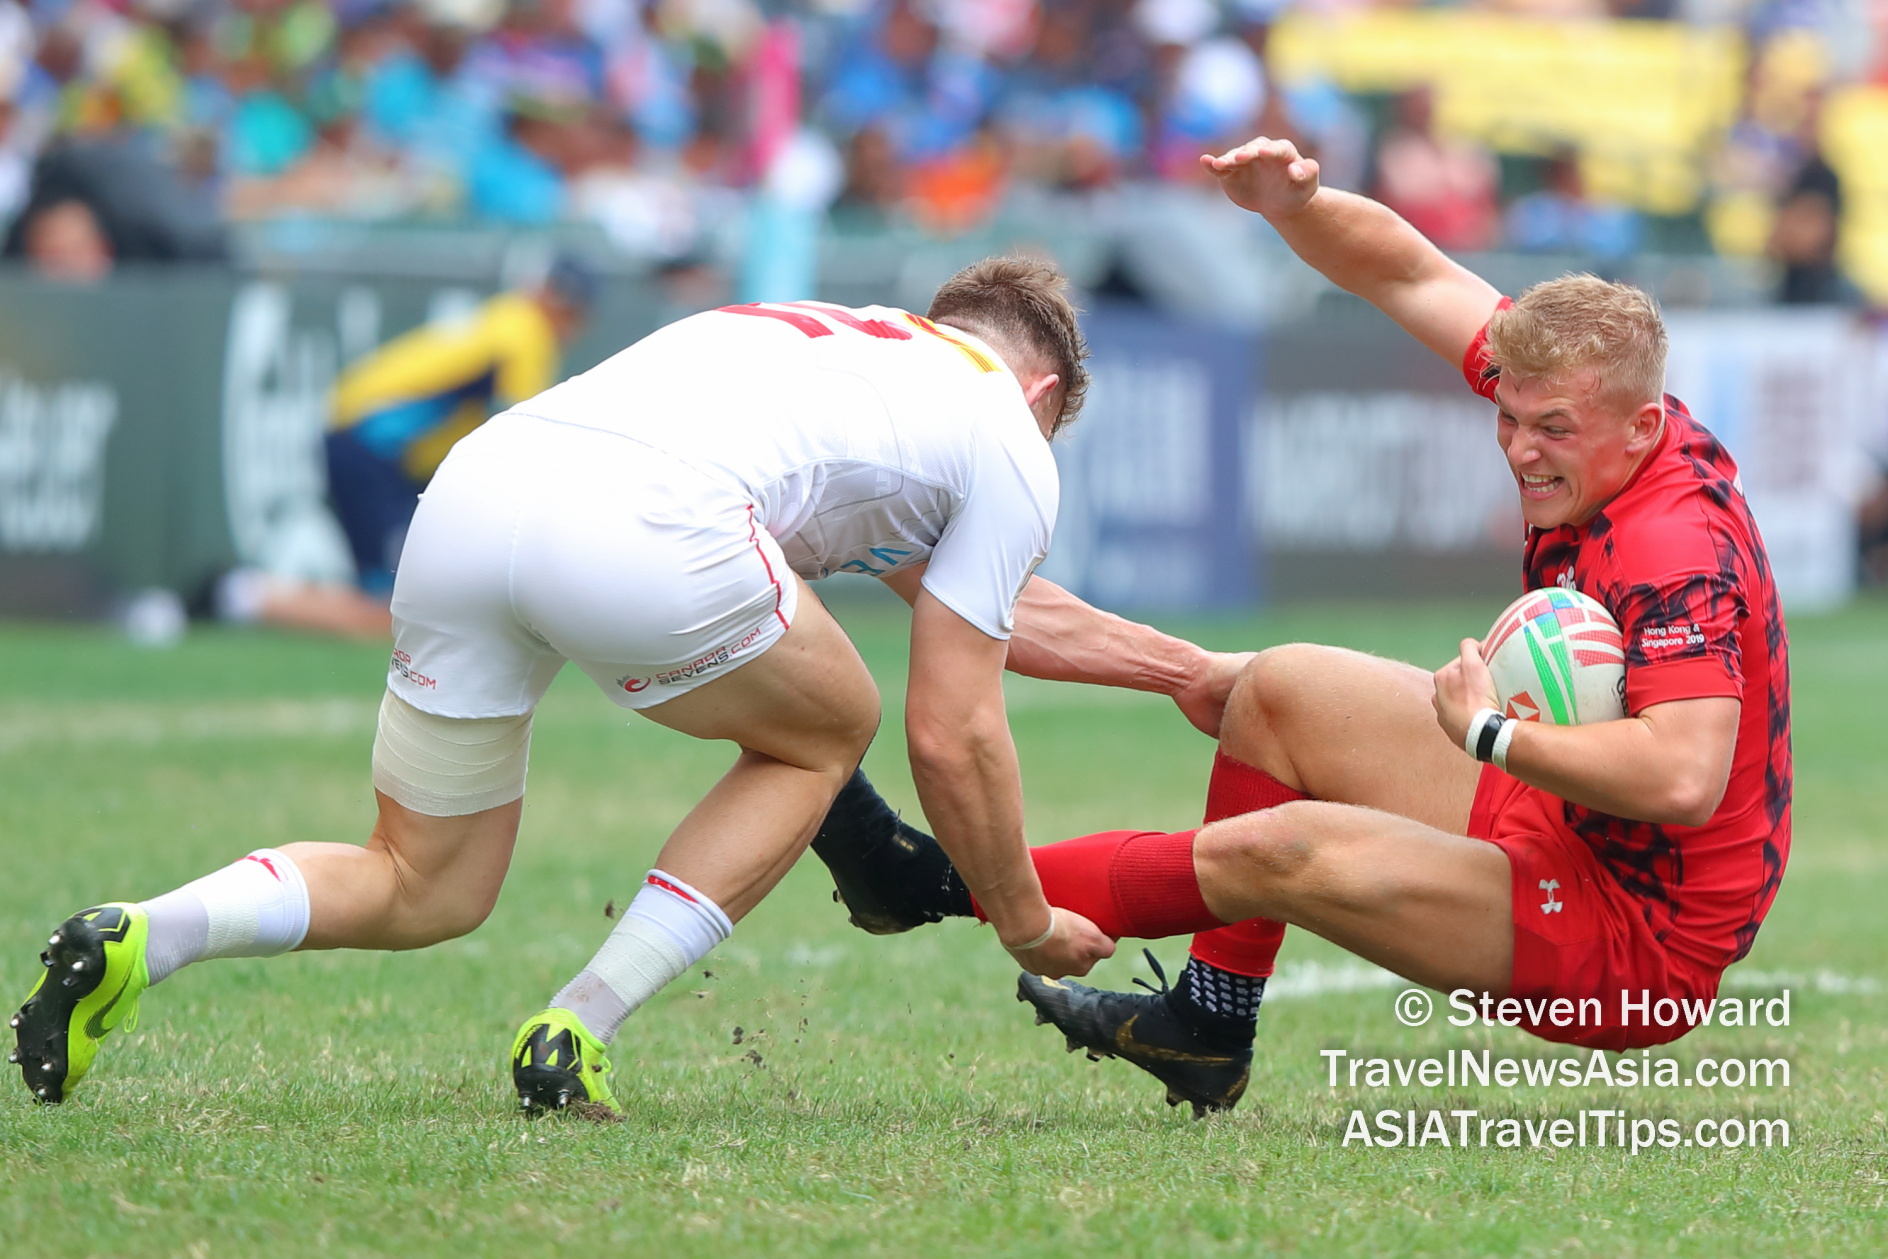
x=95 y=973
x=556 y=1061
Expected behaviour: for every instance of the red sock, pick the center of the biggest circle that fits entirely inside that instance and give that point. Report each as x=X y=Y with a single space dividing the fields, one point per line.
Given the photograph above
x=1128 y=883
x=1237 y=787
x=1250 y=947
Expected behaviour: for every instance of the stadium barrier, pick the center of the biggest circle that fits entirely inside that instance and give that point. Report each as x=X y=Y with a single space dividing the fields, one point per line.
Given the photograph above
x=160 y=428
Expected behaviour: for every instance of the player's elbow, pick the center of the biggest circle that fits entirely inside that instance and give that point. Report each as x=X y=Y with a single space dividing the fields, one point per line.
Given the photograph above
x=939 y=751
x=947 y=747
x=1689 y=797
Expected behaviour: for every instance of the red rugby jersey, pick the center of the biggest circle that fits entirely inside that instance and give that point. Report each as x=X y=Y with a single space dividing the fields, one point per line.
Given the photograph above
x=1678 y=561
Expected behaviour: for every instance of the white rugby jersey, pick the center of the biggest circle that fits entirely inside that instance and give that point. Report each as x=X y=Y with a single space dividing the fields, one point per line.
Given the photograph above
x=867 y=439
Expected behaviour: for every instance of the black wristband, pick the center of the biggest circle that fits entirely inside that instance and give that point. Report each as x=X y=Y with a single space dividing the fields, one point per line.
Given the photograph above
x=1485 y=739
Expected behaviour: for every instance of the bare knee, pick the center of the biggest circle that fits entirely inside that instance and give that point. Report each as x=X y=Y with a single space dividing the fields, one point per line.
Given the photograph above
x=1260 y=864
x=441 y=918
x=857 y=729
x=832 y=747
x=428 y=905
x=1264 y=702
x=427 y=911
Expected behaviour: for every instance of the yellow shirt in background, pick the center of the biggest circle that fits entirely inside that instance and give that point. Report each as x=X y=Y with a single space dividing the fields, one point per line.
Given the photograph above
x=412 y=398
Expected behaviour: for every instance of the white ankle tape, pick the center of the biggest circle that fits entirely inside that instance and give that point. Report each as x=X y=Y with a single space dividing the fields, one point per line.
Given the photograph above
x=667 y=928
x=449 y=766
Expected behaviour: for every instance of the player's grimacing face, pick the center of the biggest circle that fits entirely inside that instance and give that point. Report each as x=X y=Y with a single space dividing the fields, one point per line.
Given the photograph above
x=1571 y=449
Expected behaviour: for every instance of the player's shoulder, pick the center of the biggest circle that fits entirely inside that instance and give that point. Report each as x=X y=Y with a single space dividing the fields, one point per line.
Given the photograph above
x=1684 y=515
x=1702 y=454
x=1698 y=479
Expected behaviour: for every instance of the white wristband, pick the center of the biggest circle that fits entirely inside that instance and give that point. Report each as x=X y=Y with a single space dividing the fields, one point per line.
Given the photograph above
x=1472 y=738
x=1499 y=755
x=1040 y=940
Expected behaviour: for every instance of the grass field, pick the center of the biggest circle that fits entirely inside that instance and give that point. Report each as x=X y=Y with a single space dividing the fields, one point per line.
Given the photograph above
x=885 y=1096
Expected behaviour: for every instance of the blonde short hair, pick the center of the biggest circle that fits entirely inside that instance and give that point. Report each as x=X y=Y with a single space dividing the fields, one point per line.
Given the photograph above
x=1559 y=327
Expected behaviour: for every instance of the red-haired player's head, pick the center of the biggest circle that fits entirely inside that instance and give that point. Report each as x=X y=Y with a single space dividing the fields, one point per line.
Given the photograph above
x=1581 y=392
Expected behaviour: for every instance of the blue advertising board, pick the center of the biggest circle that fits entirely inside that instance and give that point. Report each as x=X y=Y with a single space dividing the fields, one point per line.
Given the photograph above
x=1153 y=512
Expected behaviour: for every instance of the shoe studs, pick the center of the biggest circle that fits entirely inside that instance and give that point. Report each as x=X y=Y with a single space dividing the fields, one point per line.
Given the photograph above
x=55 y=937
x=1072 y=1043
x=14 y=1056
x=1093 y=1056
x=1174 y=1098
x=45 y=1094
x=79 y=965
x=14 y=1021
x=46 y=1066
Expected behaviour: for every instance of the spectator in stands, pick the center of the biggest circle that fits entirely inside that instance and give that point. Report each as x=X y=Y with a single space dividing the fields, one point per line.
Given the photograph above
x=1445 y=187
x=1065 y=128
x=873 y=195
x=63 y=241
x=143 y=210
x=651 y=207
x=16 y=163
x=1804 y=236
x=1559 y=217
x=1872 y=530
x=343 y=173
x=646 y=116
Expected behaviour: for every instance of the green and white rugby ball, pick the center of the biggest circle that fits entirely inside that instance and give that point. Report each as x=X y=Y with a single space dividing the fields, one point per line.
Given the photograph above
x=1557 y=657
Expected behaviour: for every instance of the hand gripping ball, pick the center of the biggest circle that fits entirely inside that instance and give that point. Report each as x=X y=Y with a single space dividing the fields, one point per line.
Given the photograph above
x=1557 y=657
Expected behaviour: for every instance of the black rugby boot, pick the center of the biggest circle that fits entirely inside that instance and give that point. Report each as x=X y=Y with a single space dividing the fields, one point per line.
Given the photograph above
x=890 y=876
x=1199 y=1064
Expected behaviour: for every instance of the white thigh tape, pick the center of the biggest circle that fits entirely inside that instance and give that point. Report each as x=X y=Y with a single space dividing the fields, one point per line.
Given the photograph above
x=449 y=766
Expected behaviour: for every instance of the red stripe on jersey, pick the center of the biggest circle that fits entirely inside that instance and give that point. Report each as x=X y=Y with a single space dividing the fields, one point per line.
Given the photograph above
x=870 y=327
x=806 y=323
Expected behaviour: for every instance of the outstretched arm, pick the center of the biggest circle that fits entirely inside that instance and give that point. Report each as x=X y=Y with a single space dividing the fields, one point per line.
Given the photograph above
x=1063 y=639
x=1361 y=246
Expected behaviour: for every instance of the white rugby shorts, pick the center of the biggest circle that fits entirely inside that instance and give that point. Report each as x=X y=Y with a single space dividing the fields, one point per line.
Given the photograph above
x=540 y=542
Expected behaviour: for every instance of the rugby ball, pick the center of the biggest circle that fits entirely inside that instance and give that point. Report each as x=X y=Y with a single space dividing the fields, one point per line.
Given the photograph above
x=1557 y=658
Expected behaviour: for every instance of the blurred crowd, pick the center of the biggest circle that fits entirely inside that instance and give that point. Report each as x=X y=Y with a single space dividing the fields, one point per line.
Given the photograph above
x=140 y=128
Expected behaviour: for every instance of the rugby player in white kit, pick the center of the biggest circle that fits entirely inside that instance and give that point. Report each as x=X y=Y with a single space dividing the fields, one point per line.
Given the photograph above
x=654 y=521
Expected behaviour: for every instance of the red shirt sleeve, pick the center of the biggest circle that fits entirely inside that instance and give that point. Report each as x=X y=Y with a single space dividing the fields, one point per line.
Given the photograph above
x=1476 y=369
x=1681 y=637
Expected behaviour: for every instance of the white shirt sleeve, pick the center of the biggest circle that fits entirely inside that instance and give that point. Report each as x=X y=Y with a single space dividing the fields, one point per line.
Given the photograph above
x=995 y=540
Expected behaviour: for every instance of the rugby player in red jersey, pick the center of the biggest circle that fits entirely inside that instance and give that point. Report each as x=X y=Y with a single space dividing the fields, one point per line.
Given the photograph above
x=1605 y=863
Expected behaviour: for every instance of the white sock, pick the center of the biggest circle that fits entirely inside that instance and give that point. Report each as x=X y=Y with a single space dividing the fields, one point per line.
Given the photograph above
x=666 y=929
x=257 y=907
